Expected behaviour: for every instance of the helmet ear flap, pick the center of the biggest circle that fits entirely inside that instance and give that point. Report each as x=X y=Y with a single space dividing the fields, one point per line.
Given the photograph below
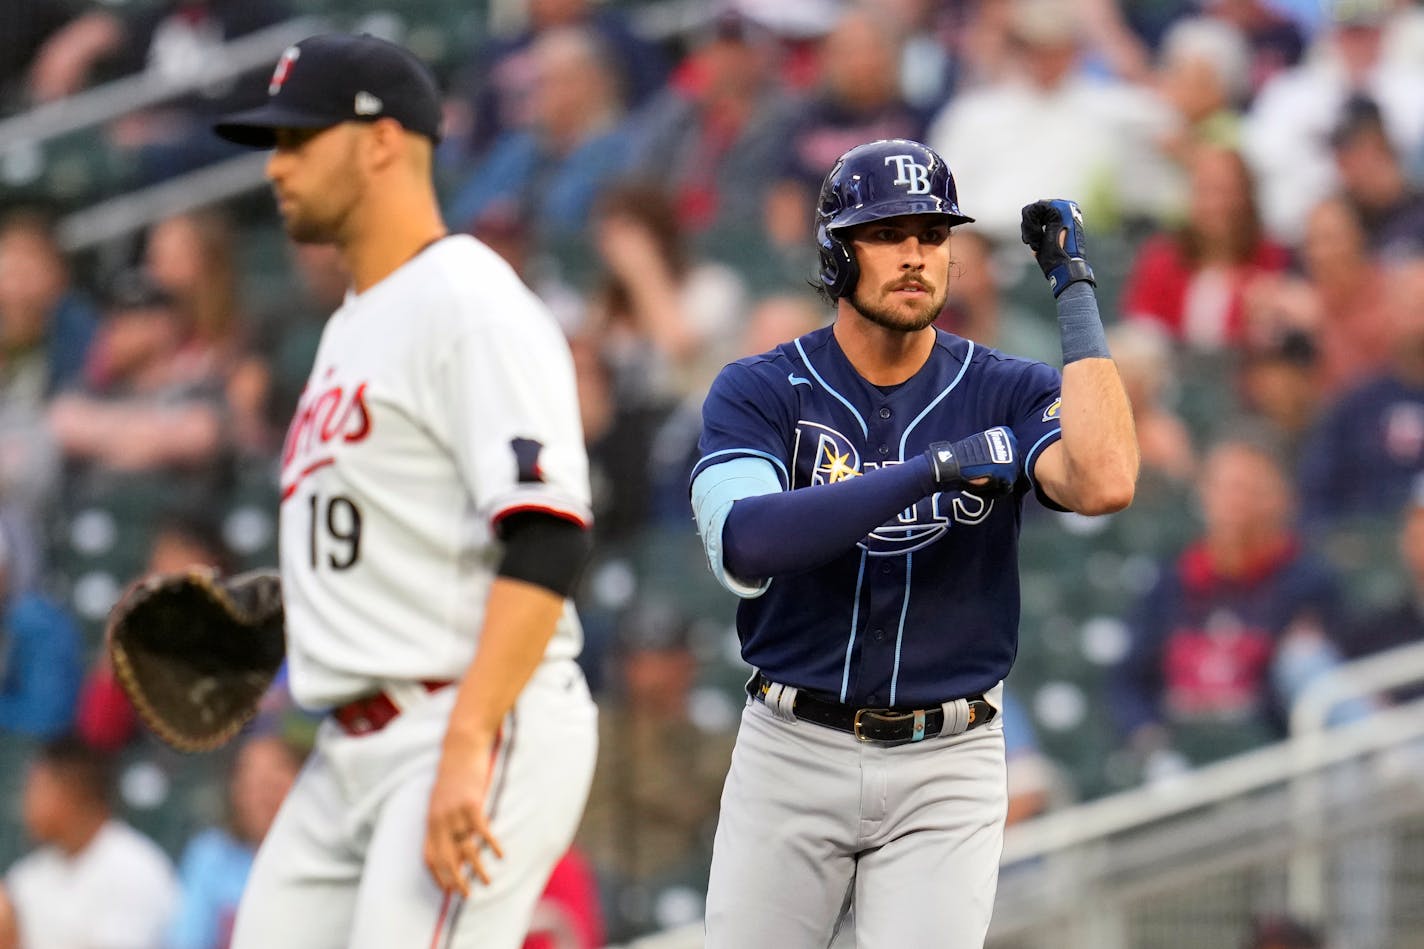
x=839 y=271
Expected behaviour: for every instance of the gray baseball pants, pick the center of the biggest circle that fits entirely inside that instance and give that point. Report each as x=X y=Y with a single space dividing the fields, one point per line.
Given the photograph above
x=813 y=821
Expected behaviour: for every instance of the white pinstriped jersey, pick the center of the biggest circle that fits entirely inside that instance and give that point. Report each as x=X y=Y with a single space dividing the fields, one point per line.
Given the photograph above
x=441 y=400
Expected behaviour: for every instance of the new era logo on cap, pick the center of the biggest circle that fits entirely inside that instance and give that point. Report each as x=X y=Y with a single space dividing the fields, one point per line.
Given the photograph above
x=367 y=104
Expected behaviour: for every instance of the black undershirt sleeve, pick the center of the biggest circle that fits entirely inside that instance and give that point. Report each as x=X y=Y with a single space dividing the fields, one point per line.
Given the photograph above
x=544 y=549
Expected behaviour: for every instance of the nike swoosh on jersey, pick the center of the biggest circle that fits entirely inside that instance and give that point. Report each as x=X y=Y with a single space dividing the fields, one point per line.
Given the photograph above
x=796 y=380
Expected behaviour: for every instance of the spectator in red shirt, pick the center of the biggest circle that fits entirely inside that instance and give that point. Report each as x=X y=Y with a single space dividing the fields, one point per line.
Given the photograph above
x=1192 y=281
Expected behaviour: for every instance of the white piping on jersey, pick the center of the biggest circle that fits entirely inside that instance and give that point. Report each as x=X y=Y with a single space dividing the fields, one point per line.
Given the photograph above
x=864 y=430
x=854 y=619
x=968 y=357
x=1028 y=459
x=900 y=633
x=759 y=454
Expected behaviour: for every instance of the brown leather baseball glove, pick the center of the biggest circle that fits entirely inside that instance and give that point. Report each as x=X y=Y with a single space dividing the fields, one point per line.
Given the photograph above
x=195 y=652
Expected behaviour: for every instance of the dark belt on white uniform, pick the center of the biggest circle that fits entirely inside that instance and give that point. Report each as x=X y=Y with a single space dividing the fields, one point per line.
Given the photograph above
x=880 y=726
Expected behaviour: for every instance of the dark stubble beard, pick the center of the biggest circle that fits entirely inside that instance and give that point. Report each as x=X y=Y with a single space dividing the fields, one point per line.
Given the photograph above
x=892 y=318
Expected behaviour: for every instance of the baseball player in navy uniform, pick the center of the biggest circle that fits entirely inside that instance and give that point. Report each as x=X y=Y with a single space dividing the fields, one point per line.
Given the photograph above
x=434 y=515
x=860 y=489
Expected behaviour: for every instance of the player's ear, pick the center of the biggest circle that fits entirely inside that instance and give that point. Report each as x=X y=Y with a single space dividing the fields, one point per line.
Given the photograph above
x=385 y=141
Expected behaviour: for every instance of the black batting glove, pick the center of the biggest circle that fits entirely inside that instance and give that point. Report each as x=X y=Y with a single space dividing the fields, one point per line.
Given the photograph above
x=992 y=454
x=1053 y=230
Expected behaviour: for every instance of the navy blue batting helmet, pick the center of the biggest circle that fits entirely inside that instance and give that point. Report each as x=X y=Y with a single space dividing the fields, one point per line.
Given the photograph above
x=871 y=182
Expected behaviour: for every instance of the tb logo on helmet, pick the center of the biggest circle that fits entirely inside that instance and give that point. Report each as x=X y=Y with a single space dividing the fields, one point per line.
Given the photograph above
x=910 y=173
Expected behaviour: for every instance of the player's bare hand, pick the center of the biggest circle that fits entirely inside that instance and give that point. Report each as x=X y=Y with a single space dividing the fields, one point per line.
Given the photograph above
x=457 y=832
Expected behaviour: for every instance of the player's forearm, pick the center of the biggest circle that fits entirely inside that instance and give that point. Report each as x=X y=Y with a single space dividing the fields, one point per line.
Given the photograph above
x=790 y=531
x=1099 y=441
x=520 y=618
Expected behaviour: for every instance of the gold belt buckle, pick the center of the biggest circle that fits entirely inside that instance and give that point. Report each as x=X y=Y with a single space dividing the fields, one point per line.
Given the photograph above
x=884 y=714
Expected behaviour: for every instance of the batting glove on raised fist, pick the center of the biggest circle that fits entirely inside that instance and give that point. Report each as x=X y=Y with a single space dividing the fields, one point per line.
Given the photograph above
x=992 y=454
x=1053 y=230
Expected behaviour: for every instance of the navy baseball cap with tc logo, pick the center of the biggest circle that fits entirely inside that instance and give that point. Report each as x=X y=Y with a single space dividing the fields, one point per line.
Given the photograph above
x=338 y=77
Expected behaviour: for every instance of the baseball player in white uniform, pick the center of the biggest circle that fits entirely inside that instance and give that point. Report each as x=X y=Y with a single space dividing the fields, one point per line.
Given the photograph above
x=434 y=517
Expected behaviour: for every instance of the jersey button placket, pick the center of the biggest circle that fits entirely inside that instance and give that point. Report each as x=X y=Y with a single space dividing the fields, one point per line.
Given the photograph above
x=885 y=411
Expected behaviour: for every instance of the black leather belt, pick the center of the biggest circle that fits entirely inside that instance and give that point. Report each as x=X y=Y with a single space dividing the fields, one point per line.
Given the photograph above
x=881 y=726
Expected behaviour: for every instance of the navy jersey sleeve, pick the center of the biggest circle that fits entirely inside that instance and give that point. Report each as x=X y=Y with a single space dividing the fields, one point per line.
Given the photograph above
x=1034 y=414
x=744 y=416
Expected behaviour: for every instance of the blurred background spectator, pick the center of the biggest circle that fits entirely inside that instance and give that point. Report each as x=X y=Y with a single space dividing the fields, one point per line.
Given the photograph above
x=1195 y=683
x=713 y=138
x=497 y=84
x=1368 y=447
x=1100 y=128
x=856 y=99
x=1192 y=280
x=216 y=862
x=549 y=170
x=94 y=880
x=1287 y=134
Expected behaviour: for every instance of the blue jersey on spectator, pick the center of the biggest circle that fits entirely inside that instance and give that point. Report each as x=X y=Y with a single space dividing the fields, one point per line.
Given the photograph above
x=40 y=667
x=212 y=874
x=1364 y=454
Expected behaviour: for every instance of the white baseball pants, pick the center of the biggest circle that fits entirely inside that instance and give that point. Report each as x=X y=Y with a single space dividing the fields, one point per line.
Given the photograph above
x=342 y=866
x=813 y=820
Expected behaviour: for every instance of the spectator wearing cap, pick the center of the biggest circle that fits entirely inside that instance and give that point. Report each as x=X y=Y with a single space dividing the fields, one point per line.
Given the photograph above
x=712 y=137
x=1373 y=180
x=1287 y=133
x=1104 y=133
x=1365 y=452
x=41 y=660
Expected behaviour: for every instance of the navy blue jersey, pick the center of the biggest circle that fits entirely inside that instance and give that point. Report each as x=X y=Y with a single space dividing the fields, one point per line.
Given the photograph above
x=926 y=607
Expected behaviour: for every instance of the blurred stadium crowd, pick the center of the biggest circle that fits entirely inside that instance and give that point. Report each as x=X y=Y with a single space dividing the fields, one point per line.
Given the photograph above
x=1252 y=174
